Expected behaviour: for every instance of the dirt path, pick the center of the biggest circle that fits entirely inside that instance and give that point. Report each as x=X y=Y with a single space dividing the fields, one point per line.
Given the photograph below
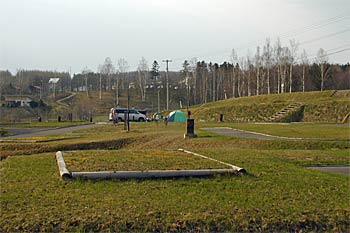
x=52 y=131
x=60 y=101
x=247 y=134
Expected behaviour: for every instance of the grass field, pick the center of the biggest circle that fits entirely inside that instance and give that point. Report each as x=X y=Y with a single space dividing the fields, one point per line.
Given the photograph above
x=278 y=194
x=298 y=130
x=129 y=160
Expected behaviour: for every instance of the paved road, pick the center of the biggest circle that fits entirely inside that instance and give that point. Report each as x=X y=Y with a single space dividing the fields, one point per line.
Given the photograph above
x=15 y=131
x=45 y=132
x=246 y=134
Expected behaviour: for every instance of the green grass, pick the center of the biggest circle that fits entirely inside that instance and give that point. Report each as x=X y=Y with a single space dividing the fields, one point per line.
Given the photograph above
x=129 y=160
x=152 y=136
x=277 y=195
x=298 y=130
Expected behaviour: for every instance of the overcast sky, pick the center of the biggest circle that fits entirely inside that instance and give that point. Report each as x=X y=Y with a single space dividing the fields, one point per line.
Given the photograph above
x=58 y=34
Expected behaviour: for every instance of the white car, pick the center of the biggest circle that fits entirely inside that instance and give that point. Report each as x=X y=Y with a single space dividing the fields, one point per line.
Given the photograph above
x=119 y=113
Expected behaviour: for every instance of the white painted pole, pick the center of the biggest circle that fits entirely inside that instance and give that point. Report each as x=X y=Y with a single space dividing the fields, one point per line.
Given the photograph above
x=151 y=174
x=64 y=173
x=238 y=169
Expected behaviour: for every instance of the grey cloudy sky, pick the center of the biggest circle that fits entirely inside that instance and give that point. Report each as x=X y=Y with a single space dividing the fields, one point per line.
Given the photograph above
x=58 y=34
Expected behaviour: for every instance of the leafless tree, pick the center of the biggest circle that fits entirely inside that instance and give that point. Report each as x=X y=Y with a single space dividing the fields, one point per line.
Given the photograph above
x=193 y=70
x=293 y=50
x=304 y=62
x=267 y=57
x=85 y=72
x=257 y=67
x=249 y=65
x=322 y=59
x=123 y=68
x=99 y=70
x=108 y=69
x=278 y=62
x=285 y=58
x=240 y=77
x=142 y=72
x=234 y=60
x=213 y=70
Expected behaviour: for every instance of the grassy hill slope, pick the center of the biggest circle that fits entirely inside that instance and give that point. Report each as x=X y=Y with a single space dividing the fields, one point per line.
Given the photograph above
x=326 y=106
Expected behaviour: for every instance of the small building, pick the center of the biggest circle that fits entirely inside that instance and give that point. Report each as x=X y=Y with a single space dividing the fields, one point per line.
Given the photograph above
x=17 y=100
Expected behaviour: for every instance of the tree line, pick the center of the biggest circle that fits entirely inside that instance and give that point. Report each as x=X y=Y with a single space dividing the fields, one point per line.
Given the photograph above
x=271 y=69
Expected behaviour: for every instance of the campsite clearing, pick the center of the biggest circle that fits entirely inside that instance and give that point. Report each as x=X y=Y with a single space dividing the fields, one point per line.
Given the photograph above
x=278 y=193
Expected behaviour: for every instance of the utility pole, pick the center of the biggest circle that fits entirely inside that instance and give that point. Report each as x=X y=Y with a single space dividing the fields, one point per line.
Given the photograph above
x=70 y=79
x=128 y=116
x=167 y=82
x=158 y=102
x=100 y=86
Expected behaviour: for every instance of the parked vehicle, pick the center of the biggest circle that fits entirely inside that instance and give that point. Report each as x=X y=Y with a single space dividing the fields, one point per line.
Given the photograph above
x=119 y=113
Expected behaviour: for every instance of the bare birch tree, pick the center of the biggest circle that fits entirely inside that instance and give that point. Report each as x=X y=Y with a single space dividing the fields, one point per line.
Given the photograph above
x=285 y=57
x=267 y=57
x=322 y=60
x=142 y=72
x=249 y=65
x=234 y=60
x=240 y=77
x=293 y=50
x=99 y=70
x=278 y=62
x=257 y=67
x=108 y=69
x=193 y=70
x=85 y=72
x=304 y=63
x=123 y=68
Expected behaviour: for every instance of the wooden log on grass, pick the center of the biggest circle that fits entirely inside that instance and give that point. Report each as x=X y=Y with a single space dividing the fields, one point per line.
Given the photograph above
x=64 y=173
x=151 y=174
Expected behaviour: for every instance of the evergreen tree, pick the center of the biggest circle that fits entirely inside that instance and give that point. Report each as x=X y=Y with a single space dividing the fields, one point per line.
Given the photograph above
x=155 y=73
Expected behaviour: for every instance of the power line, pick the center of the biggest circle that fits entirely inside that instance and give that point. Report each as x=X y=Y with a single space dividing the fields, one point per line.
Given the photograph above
x=329 y=54
x=315 y=25
x=325 y=36
x=288 y=34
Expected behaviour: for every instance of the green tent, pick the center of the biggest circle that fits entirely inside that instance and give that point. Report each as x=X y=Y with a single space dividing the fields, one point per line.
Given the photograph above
x=177 y=116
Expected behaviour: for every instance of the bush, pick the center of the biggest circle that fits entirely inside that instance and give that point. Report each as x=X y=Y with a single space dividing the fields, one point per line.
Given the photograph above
x=3 y=132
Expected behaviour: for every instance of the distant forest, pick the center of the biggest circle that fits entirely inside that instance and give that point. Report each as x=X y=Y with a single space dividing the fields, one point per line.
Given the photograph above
x=271 y=70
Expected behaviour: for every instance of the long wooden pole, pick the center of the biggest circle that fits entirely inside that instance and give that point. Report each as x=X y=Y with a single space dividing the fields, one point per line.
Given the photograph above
x=64 y=173
x=151 y=174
